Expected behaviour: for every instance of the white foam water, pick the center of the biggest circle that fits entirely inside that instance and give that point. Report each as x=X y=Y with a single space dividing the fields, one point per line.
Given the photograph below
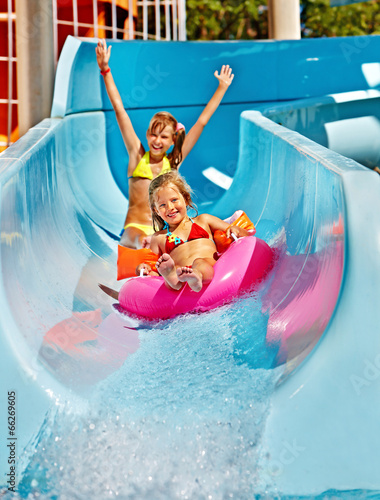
x=182 y=418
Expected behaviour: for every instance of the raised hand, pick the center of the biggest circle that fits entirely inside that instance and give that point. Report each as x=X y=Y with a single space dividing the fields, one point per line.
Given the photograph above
x=103 y=55
x=237 y=231
x=225 y=77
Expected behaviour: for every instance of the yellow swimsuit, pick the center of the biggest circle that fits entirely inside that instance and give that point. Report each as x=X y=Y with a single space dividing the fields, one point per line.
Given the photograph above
x=148 y=230
x=143 y=170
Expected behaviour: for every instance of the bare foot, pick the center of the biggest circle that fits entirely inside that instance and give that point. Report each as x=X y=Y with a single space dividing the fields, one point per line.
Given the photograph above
x=166 y=267
x=191 y=277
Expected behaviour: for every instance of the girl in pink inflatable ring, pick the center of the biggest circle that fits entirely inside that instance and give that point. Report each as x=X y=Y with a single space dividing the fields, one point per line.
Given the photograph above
x=185 y=245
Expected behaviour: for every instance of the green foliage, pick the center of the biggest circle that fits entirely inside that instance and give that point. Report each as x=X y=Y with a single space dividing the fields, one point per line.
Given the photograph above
x=226 y=19
x=319 y=19
x=248 y=19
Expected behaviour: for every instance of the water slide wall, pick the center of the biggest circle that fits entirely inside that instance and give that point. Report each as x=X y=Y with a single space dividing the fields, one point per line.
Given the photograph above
x=63 y=201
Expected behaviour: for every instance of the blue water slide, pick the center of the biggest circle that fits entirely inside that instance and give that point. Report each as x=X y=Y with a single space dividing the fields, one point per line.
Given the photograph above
x=63 y=199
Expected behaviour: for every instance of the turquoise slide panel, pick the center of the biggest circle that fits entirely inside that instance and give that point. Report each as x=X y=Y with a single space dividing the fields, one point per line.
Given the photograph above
x=348 y=123
x=63 y=201
x=339 y=3
x=320 y=434
x=156 y=75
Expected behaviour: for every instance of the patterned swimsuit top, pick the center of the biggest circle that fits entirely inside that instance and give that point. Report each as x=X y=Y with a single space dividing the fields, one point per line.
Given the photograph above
x=173 y=241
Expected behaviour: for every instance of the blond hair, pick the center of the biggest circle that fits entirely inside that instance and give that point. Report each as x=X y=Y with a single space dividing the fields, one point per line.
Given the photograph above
x=157 y=124
x=172 y=178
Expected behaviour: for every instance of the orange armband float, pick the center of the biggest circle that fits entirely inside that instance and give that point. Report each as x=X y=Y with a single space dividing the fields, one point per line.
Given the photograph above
x=239 y=219
x=128 y=259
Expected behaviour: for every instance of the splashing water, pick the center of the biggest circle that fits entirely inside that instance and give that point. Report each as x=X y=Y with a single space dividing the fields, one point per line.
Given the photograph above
x=182 y=418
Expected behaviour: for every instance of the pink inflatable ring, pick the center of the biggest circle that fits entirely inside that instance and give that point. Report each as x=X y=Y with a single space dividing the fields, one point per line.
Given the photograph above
x=243 y=265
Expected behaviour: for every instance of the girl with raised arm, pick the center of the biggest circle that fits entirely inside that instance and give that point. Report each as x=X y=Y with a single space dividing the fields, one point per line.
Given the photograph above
x=164 y=131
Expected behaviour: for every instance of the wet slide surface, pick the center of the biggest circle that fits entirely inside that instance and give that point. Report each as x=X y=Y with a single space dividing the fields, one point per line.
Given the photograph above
x=257 y=396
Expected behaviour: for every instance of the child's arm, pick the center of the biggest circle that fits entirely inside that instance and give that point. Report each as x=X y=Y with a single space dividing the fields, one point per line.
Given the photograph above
x=154 y=245
x=156 y=242
x=131 y=140
x=225 y=79
x=237 y=231
x=215 y=224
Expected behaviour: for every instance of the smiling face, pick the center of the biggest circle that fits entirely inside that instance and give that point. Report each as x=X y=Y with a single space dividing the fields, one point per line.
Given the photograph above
x=170 y=205
x=159 y=141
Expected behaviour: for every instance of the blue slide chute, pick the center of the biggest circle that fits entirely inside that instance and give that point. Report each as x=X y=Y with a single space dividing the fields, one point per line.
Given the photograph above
x=63 y=199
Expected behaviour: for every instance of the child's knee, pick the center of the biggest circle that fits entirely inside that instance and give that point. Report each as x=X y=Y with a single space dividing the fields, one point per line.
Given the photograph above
x=200 y=262
x=125 y=241
x=132 y=238
x=205 y=268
